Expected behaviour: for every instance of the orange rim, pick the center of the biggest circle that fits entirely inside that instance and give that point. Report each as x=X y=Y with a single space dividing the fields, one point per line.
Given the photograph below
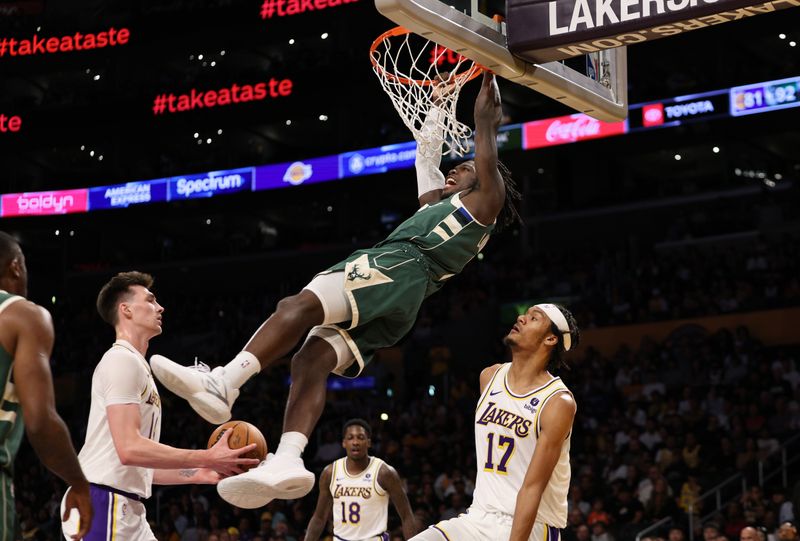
x=464 y=77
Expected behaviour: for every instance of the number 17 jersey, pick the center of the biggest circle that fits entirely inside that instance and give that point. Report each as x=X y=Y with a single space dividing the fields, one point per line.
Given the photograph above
x=507 y=427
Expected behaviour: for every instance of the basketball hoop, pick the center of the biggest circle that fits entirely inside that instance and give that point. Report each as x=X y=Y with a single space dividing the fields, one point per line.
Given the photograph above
x=412 y=72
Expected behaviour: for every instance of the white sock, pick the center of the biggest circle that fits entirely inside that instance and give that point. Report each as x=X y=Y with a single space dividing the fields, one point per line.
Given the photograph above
x=243 y=367
x=292 y=444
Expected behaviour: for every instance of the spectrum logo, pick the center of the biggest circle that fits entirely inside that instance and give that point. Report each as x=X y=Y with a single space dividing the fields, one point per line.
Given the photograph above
x=653 y=115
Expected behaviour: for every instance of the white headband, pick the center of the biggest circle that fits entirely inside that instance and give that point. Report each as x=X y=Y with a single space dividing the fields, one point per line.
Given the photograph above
x=557 y=317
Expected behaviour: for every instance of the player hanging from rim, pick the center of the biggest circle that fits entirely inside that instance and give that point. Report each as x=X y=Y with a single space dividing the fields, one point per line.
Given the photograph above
x=523 y=424
x=366 y=302
x=357 y=488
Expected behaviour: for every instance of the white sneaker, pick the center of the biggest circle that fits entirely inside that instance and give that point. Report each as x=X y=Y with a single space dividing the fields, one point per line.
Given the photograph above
x=205 y=390
x=278 y=477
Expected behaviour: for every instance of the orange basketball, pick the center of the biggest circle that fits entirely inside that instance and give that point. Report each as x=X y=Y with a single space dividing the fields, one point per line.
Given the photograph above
x=242 y=433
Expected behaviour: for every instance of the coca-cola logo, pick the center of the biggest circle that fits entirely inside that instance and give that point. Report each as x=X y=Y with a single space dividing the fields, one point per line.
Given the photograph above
x=567 y=132
x=41 y=203
x=567 y=129
x=653 y=114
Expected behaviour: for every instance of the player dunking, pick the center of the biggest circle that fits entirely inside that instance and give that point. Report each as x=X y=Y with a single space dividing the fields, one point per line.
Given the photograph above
x=523 y=424
x=364 y=303
x=26 y=342
x=121 y=455
x=357 y=489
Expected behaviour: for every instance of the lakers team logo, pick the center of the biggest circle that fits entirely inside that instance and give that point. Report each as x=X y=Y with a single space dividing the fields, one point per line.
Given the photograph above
x=357 y=492
x=498 y=416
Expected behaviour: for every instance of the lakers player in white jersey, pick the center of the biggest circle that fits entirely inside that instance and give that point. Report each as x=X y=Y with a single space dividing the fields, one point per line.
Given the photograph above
x=357 y=488
x=121 y=456
x=523 y=424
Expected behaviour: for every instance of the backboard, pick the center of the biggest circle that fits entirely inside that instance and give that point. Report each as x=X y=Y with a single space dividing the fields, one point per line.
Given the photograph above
x=601 y=92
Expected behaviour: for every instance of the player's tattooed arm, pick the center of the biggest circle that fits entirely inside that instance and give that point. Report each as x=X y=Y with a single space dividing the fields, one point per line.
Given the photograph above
x=186 y=476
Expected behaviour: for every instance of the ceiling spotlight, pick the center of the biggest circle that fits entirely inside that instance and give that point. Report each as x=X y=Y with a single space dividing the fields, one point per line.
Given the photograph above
x=792 y=43
x=213 y=63
x=781 y=36
x=222 y=52
x=291 y=41
x=323 y=117
x=324 y=35
x=289 y=122
x=208 y=140
x=100 y=158
x=199 y=141
x=199 y=57
x=677 y=157
x=38 y=28
x=71 y=233
x=208 y=221
x=196 y=135
x=778 y=176
x=58 y=232
x=715 y=150
x=91 y=153
x=88 y=71
x=384 y=416
x=219 y=131
x=97 y=77
x=83 y=147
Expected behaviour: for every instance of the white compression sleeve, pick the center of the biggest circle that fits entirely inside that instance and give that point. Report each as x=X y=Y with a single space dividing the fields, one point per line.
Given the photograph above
x=429 y=153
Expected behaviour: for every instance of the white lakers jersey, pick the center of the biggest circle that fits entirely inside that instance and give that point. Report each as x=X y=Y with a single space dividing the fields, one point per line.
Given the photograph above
x=360 y=504
x=122 y=377
x=506 y=429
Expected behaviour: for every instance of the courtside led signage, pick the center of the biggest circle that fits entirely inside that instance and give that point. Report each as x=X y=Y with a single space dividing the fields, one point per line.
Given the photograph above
x=763 y=97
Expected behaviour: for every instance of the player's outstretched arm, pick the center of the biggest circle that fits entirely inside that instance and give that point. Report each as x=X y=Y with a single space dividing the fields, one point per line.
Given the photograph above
x=34 y=384
x=133 y=449
x=324 y=505
x=389 y=479
x=430 y=180
x=556 y=423
x=186 y=476
x=487 y=198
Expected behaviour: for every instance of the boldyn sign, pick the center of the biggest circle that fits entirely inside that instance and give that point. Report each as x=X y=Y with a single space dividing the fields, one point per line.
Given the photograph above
x=545 y=30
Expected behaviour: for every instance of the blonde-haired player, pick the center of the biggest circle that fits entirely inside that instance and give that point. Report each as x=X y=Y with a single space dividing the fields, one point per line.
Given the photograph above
x=358 y=488
x=523 y=424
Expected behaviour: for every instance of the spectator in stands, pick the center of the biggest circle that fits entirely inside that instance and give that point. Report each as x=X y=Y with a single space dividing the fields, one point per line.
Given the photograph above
x=788 y=532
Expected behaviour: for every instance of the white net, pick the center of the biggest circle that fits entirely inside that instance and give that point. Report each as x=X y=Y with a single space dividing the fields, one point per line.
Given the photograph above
x=420 y=76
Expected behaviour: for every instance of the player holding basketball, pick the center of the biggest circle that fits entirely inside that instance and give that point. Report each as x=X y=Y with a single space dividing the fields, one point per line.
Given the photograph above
x=523 y=424
x=358 y=488
x=121 y=456
x=366 y=302
x=26 y=342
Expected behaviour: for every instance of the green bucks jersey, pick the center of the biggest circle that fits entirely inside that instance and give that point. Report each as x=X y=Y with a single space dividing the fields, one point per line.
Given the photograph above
x=446 y=233
x=11 y=427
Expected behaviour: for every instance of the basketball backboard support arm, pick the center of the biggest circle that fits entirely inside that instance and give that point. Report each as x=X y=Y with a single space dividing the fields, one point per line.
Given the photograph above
x=486 y=45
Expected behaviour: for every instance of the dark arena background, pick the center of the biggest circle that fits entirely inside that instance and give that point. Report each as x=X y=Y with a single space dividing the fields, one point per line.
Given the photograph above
x=260 y=144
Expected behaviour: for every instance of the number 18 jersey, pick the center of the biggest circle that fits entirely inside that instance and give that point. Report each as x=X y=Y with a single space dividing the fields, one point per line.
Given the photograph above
x=360 y=504
x=507 y=427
